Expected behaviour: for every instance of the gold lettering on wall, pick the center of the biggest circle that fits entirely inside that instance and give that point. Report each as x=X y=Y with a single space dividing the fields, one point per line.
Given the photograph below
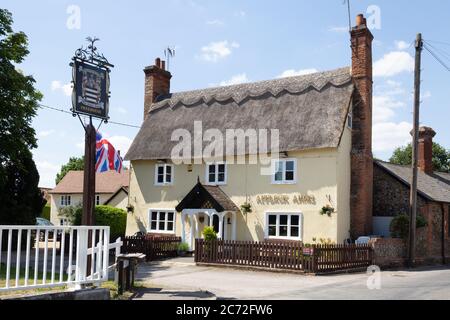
x=285 y=199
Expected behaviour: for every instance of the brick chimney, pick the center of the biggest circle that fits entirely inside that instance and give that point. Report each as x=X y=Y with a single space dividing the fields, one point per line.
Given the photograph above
x=361 y=154
x=157 y=83
x=425 y=150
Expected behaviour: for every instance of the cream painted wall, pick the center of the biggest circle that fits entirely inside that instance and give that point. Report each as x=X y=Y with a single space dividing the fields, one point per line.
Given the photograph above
x=76 y=199
x=320 y=173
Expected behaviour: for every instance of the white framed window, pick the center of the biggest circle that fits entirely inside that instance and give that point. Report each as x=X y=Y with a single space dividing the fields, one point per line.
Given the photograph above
x=350 y=120
x=284 y=225
x=66 y=200
x=161 y=221
x=216 y=173
x=97 y=200
x=64 y=222
x=284 y=171
x=163 y=174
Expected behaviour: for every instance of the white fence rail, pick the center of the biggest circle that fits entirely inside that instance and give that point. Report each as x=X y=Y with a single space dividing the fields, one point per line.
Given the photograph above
x=34 y=257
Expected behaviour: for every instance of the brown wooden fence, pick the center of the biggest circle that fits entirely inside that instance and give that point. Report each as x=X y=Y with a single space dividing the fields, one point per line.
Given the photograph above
x=284 y=255
x=154 y=248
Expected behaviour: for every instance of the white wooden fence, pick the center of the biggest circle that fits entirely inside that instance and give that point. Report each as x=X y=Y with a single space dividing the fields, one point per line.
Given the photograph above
x=30 y=259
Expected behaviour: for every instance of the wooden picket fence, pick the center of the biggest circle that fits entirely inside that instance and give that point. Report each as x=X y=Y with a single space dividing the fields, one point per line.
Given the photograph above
x=284 y=255
x=154 y=248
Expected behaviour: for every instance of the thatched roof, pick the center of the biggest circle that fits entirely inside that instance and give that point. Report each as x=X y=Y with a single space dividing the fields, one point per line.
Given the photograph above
x=435 y=187
x=309 y=111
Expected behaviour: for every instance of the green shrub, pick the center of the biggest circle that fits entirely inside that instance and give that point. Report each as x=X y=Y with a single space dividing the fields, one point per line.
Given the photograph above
x=183 y=246
x=115 y=218
x=399 y=227
x=209 y=234
x=46 y=212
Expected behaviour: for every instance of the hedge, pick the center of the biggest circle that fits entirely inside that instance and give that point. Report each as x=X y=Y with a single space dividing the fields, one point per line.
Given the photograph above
x=115 y=218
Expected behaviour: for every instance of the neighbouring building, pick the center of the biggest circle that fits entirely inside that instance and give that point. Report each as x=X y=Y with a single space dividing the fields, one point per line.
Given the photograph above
x=325 y=160
x=391 y=197
x=111 y=188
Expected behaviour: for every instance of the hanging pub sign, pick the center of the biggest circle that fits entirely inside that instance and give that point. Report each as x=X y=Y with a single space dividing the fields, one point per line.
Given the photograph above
x=91 y=90
x=90 y=73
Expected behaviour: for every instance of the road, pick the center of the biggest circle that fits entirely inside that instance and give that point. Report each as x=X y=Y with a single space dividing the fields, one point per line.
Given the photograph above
x=183 y=280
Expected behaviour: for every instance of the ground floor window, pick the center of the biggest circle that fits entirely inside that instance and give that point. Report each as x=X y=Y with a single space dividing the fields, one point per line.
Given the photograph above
x=162 y=221
x=281 y=225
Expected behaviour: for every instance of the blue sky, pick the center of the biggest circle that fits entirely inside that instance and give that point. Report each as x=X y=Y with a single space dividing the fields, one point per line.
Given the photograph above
x=223 y=42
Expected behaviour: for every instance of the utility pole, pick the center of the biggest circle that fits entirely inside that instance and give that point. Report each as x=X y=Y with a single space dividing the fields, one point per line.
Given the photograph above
x=413 y=193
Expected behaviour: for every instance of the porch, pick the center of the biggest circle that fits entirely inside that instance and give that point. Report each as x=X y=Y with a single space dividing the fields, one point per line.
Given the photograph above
x=205 y=206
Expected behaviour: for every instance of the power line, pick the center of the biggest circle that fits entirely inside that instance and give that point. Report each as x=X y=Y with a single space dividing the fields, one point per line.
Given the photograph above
x=68 y=112
x=435 y=56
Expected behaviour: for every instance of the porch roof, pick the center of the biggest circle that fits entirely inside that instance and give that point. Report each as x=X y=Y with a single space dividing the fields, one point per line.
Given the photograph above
x=207 y=197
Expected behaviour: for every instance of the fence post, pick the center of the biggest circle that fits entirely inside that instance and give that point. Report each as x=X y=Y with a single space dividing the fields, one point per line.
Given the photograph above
x=118 y=249
x=82 y=247
x=106 y=253
x=314 y=259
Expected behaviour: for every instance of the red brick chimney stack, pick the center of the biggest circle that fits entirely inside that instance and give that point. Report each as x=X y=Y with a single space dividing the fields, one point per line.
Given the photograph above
x=425 y=160
x=157 y=83
x=361 y=154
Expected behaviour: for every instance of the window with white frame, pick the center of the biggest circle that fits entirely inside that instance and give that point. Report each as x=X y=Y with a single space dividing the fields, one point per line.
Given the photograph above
x=65 y=200
x=284 y=171
x=97 y=200
x=162 y=221
x=284 y=226
x=216 y=173
x=350 y=120
x=163 y=174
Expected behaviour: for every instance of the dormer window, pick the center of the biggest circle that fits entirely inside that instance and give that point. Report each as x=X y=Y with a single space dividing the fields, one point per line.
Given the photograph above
x=284 y=171
x=216 y=173
x=163 y=174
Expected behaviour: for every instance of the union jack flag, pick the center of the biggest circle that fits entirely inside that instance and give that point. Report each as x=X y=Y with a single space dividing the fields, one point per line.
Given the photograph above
x=107 y=158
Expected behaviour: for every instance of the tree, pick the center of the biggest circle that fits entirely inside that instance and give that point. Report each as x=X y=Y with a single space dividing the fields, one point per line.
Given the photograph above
x=73 y=164
x=20 y=198
x=441 y=157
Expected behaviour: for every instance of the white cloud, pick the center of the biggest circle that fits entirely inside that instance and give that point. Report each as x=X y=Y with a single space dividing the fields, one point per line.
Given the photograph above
x=401 y=45
x=64 y=88
x=216 y=51
x=45 y=133
x=121 y=143
x=241 y=14
x=236 y=79
x=338 y=29
x=383 y=106
x=293 y=73
x=47 y=173
x=388 y=135
x=215 y=22
x=393 y=63
x=426 y=95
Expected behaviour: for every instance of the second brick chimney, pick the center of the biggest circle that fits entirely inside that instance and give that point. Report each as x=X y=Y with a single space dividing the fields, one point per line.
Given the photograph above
x=425 y=150
x=157 y=83
x=361 y=155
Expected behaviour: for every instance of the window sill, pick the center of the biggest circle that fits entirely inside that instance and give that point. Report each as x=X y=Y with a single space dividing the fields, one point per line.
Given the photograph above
x=284 y=183
x=163 y=184
x=216 y=184
x=283 y=238
x=160 y=232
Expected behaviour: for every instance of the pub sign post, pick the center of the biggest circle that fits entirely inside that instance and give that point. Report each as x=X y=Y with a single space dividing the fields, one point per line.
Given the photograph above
x=90 y=98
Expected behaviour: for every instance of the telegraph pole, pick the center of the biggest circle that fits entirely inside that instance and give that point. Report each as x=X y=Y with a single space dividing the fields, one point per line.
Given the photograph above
x=413 y=193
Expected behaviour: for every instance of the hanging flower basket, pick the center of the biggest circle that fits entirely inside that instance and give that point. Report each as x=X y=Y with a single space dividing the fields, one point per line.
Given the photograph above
x=246 y=208
x=327 y=210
